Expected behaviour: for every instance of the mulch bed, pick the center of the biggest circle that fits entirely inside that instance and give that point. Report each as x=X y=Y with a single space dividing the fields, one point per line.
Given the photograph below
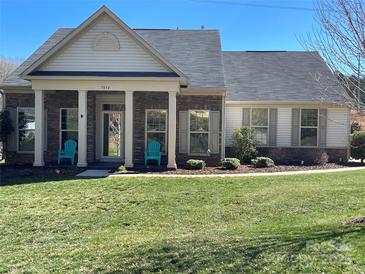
x=240 y=170
x=36 y=173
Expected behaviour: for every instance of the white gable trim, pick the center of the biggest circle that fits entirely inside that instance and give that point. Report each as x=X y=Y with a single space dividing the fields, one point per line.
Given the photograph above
x=84 y=25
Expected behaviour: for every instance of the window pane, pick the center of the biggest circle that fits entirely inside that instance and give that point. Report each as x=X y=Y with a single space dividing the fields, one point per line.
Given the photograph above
x=26 y=118
x=112 y=133
x=69 y=119
x=159 y=137
x=68 y=135
x=115 y=107
x=309 y=117
x=308 y=137
x=259 y=117
x=26 y=140
x=156 y=120
x=199 y=143
x=260 y=136
x=199 y=120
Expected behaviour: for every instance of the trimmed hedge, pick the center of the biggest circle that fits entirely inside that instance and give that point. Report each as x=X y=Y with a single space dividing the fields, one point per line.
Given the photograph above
x=230 y=163
x=195 y=164
x=261 y=162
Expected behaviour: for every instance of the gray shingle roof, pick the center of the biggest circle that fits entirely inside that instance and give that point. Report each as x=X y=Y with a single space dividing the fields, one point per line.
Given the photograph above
x=14 y=80
x=280 y=76
x=195 y=52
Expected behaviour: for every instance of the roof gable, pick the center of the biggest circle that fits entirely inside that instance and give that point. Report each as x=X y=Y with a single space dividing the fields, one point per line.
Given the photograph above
x=137 y=54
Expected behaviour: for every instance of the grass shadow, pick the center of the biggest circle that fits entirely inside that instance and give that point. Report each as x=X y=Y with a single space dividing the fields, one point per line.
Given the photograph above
x=274 y=253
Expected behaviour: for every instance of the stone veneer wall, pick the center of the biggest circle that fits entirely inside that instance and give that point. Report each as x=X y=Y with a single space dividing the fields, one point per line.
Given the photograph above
x=19 y=100
x=198 y=102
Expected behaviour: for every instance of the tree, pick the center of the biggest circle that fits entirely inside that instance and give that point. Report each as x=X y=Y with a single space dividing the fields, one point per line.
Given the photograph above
x=341 y=41
x=7 y=66
x=6 y=127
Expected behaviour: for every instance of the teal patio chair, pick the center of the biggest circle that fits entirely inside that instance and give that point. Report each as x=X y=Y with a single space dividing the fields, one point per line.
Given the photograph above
x=153 y=152
x=68 y=152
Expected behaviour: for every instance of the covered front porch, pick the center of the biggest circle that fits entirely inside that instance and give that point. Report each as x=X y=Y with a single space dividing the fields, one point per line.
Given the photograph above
x=100 y=106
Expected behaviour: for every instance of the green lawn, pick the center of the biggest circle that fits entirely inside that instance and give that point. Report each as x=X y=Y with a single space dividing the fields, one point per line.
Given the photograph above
x=283 y=224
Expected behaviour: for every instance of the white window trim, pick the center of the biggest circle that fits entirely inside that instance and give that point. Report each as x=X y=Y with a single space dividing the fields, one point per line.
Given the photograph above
x=268 y=125
x=158 y=131
x=17 y=131
x=189 y=152
x=60 y=126
x=300 y=127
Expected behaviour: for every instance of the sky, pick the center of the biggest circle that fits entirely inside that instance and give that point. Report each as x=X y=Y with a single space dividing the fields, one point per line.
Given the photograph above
x=243 y=24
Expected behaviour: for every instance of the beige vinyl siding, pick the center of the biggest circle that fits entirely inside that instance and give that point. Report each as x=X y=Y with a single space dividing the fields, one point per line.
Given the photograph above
x=80 y=55
x=337 y=124
x=233 y=121
x=284 y=127
x=337 y=127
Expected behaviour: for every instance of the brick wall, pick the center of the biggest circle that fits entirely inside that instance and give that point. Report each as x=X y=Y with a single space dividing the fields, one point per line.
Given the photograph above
x=197 y=102
x=294 y=155
x=141 y=102
x=19 y=100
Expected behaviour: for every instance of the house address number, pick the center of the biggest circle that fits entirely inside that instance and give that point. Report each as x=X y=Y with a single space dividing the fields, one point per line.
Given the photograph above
x=105 y=87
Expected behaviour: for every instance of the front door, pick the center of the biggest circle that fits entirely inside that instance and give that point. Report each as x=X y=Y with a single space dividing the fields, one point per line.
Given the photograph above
x=112 y=135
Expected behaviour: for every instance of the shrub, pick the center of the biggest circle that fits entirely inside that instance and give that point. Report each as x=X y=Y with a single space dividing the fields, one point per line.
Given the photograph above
x=122 y=168
x=230 y=163
x=355 y=126
x=261 y=162
x=321 y=158
x=243 y=145
x=357 y=141
x=195 y=164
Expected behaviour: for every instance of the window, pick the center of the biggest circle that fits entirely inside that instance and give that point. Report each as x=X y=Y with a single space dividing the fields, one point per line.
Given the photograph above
x=156 y=127
x=199 y=131
x=69 y=125
x=260 y=125
x=308 y=127
x=26 y=127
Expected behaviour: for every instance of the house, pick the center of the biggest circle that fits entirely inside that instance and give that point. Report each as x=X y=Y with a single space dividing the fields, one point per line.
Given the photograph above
x=112 y=89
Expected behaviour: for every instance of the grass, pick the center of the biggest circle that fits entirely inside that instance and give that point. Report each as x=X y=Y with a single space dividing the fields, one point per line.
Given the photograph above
x=289 y=224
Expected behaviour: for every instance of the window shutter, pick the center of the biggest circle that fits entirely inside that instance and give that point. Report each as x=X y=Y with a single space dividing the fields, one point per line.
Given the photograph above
x=183 y=131
x=322 y=127
x=214 y=129
x=273 y=121
x=12 y=138
x=246 y=117
x=295 y=127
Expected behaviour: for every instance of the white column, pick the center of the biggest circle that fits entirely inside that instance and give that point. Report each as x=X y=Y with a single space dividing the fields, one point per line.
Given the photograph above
x=128 y=151
x=171 y=163
x=82 y=138
x=39 y=128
